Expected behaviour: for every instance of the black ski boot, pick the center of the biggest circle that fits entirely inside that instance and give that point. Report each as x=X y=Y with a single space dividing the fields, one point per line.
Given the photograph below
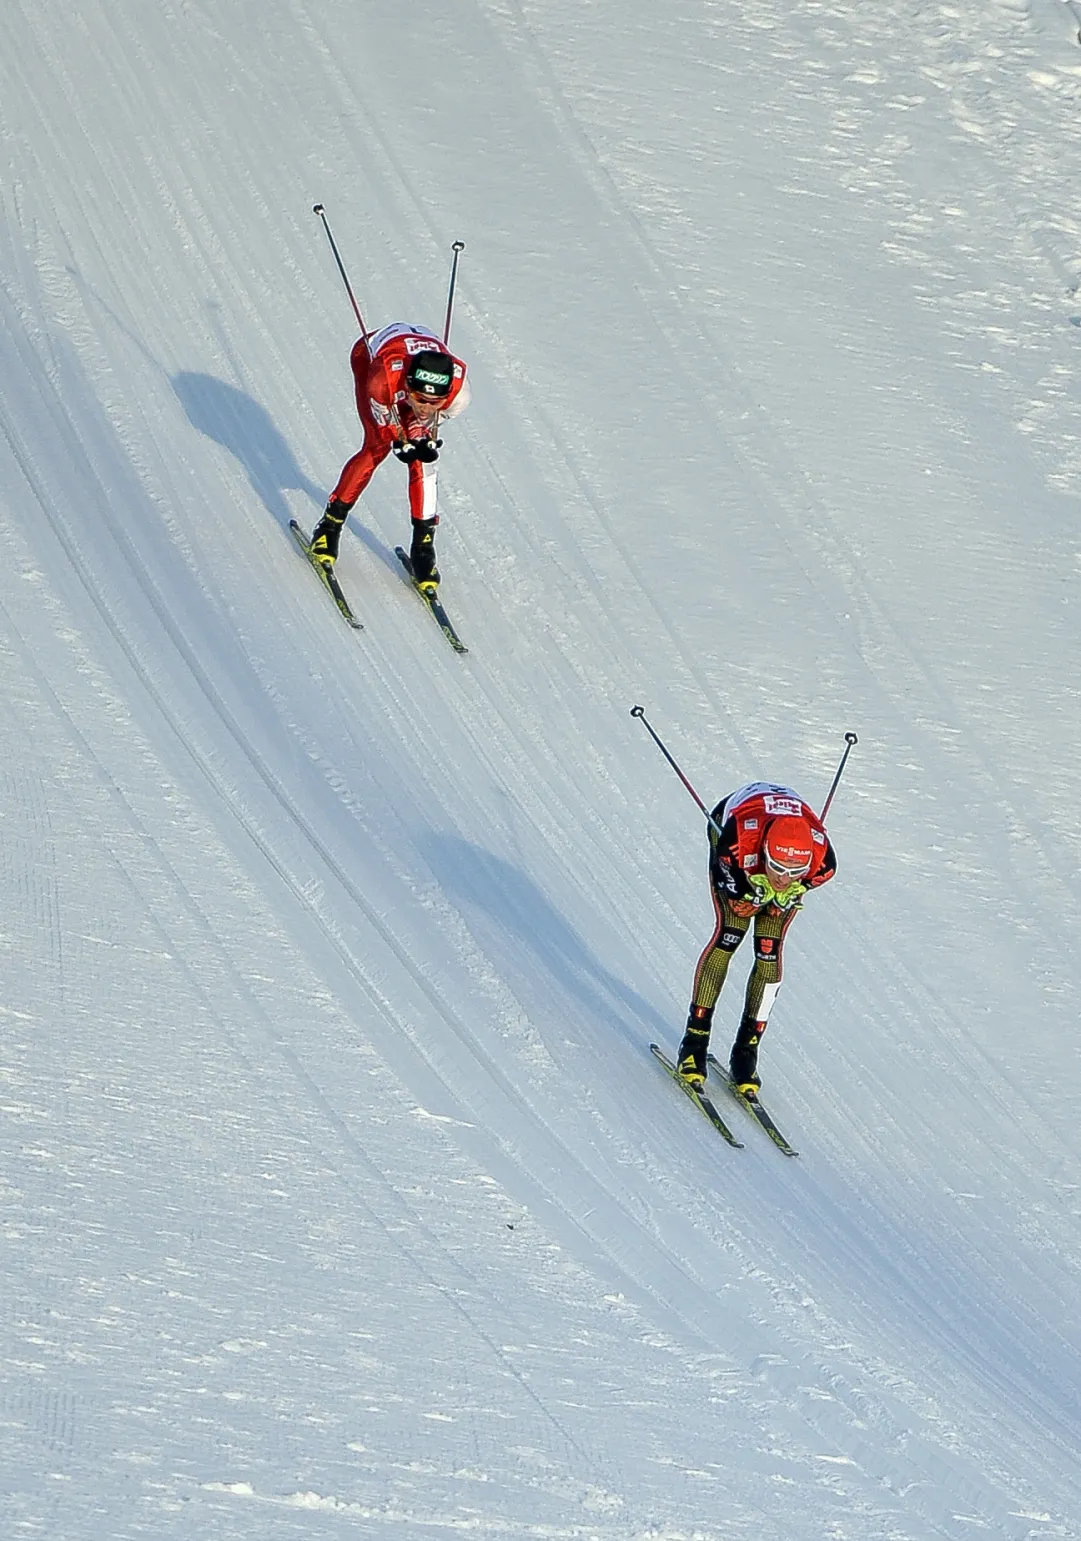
x=691 y=1059
x=422 y=554
x=743 y=1061
x=328 y=532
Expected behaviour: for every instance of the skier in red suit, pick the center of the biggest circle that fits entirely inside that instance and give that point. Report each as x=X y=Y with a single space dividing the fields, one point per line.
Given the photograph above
x=768 y=848
x=407 y=385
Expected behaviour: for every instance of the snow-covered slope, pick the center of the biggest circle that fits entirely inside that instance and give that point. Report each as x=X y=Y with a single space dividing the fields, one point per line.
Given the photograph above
x=342 y=1195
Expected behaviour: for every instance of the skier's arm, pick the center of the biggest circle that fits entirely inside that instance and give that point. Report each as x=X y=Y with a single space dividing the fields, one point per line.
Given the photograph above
x=724 y=867
x=827 y=869
x=458 y=404
x=382 y=389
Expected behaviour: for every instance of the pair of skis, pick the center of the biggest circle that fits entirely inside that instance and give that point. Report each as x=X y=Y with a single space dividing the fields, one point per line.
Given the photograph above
x=704 y=1103
x=334 y=589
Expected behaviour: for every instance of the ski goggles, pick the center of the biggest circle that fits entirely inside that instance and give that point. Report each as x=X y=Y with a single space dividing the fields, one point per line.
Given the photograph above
x=790 y=874
x=427 y=403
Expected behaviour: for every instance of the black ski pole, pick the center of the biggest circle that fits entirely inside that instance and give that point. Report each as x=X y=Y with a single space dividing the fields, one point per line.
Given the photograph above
x=850 y=741
x=322 y=213
x=639 y=712
x=459 y=246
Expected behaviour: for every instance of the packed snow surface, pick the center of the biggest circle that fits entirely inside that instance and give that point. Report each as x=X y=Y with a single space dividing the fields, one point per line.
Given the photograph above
x=341 y=1194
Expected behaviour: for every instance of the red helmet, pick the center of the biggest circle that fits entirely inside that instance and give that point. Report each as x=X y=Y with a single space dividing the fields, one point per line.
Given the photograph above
x=789 y=847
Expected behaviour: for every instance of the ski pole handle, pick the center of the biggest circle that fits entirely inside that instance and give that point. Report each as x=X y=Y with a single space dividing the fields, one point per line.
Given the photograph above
x=850 y=741
x=639 y=712
x=319 y=210
x=457 y=248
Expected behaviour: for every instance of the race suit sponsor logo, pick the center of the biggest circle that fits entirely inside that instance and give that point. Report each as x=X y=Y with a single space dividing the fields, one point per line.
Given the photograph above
x=783 y=805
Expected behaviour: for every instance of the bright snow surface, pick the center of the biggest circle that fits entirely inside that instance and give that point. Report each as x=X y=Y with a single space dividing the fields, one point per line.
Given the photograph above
x=342 y=1196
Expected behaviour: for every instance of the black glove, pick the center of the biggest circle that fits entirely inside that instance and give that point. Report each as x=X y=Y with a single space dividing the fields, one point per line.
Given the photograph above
x=427 y=450
x=406 y=452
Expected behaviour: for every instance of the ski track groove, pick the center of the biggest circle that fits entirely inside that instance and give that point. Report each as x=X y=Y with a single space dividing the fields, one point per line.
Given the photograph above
x=628 y=1223
x=768 y=461
x=793 y=502
x=344 y=1137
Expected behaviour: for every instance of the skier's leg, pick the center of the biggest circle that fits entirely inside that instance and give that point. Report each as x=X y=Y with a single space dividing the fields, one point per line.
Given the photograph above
x=763 y=986
x=423 y=511
x=709 y=977
x=355 y=476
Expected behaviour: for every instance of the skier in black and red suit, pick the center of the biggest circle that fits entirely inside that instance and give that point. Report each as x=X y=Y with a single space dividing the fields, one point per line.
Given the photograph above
x=768 y=848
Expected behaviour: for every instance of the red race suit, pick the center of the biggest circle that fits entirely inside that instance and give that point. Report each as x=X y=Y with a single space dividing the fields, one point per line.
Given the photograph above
x=379 y=363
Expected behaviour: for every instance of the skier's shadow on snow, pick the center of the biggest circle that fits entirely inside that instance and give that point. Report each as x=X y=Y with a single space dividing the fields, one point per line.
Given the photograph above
x=231 y=418
x=237 y=422
x=521 y=911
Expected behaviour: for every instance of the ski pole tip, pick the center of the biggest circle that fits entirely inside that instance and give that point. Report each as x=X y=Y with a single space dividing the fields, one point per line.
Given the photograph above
x=850 y=738
x=317 y=208
x=458 y=246
x=638 y=711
